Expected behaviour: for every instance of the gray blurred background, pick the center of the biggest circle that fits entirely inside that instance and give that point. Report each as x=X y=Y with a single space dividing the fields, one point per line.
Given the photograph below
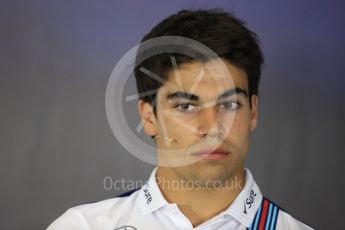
x=57 y=147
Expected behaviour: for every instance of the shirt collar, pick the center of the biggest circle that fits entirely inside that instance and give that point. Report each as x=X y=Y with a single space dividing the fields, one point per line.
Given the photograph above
x=150 y=195
x=247 y=202
x=243 y=208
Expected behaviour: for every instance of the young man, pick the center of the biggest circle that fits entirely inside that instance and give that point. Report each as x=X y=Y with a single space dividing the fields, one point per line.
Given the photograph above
x=201 y=118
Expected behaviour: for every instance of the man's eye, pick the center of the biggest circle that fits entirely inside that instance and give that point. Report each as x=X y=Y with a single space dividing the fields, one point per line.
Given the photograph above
x=186 y=107
x=229 y=105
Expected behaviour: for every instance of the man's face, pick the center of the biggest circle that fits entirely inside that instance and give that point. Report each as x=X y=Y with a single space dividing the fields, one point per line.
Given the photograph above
x=202 y=107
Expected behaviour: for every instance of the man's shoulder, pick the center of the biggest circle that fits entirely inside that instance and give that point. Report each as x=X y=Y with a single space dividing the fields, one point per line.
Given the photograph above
x=287 y=221
x=83 y=216
x=284 y=219
x=105 y=206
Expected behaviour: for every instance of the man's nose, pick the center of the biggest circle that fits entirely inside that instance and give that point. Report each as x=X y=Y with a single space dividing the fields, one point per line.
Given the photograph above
x=209 y=122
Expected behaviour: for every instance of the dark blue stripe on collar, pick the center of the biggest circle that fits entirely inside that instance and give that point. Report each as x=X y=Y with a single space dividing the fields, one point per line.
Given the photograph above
x=128 y=193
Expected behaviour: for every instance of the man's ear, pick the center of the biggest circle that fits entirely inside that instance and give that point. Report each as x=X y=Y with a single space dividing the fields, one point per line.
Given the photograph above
x=254 y=112
x=147 y=117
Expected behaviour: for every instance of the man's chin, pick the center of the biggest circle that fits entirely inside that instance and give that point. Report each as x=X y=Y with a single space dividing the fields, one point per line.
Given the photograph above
x=205 y=171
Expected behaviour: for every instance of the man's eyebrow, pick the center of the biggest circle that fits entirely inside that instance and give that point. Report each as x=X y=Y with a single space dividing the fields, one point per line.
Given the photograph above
x=185 y=95
x=193 y=97
x=233 y=91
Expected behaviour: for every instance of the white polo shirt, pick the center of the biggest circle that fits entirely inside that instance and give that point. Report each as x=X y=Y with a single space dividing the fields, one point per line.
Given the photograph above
x=147 y=209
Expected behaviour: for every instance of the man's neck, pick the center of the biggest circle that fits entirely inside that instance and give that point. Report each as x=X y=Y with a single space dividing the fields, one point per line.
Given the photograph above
x=197 y=204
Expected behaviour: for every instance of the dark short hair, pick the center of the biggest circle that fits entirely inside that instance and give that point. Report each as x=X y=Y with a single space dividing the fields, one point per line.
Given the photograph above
x=220 y=31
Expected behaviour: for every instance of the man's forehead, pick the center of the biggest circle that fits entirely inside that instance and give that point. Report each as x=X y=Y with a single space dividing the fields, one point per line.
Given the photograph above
x=211 y=70
x=215 y=71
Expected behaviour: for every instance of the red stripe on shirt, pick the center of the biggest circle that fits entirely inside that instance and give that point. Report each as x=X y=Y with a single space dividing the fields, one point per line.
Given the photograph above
x=263 y=215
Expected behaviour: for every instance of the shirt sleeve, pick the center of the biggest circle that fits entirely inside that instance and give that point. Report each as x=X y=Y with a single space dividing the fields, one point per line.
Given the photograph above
x=286 y=222
x=70 y=220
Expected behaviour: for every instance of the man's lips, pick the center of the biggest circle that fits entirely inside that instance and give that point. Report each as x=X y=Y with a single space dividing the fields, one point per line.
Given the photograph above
x=212 y=154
